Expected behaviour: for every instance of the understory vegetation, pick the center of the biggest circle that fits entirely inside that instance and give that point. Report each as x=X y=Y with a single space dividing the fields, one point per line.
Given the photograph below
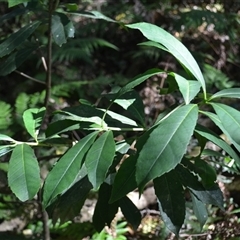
x=119 y=119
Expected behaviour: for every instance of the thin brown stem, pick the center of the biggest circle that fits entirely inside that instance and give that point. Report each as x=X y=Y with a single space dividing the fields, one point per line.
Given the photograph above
x=49 y=56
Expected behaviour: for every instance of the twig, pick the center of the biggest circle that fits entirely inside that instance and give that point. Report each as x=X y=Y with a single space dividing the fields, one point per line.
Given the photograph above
x=49 y=55
x=29 y=77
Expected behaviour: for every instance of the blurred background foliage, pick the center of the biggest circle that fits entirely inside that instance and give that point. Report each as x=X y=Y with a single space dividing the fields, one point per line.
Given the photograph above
x=103 y=54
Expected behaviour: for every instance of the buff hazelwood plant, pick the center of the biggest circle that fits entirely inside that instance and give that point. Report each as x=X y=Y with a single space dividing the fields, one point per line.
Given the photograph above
x=94 y=161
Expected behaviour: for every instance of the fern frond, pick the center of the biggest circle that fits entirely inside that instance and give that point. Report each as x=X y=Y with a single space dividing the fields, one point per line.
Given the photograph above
x=80 y=49
x=5 y=115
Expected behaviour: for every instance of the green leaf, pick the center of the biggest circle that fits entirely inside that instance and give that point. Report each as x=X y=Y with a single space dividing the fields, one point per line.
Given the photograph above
x=170 y=195
x=13 y=14
x=199 y=210
x=99 y=158
x=69 y=29
x=17 y=38
x=104 y=212
x=226 y=93
x=14 y=60
x=24 y=173
x=12 y=3
x=124 y=181
x=208 y=134
x=206 y=172
x=174 y=46
x=70 y=203
x=58 y=32
x=153 y=44
x=6 y=138
x=119 y=118
x=66 y=170
x=61 y=126
x=132 y=102
x=212 y=195
x=32 y=119
x=230 y=119
x=138 y=80
x=5 y=149
x=217 y=121
x=189 y=89
x=130 y=212
x=165 y=144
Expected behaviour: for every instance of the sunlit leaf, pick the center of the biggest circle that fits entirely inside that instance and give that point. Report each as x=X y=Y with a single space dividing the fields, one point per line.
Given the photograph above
x=17 y=38
x=24 y=173
x=5 y=149
x=174 y=46
x=6 y=138
x=226 y=93
x=99 y=158
x=189 y=89
x=208 y=134
x=170 y=195
x=12 y=3
x=165 y=144
x=32 y=119
x=65 y=171
x=230 y=119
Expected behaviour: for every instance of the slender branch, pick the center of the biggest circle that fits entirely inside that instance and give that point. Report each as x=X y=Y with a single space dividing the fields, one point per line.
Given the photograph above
x=29 y=77
x=49 y=55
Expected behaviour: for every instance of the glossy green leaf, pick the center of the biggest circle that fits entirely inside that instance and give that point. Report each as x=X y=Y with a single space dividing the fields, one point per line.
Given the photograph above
x=138 y=80
x=208 y=134
x=58 y=32
x=70 y=203
x=5 y=149
x=226 y=93
x=65 y=171
x=6 y=138
x=104 y=212
x=170 y=195
x=12 y=3
x=99 y=158
x=217 y=121
x=118 y=117
x=132 y=102
x=124 y=181
x=14 y=60
x=189 y=89
x=61 y=126
x=230 y=119
x=17 y=38
x=174 y=46
x=199 y=210
x=32 y=119
x=165 y=144
x=24 y=173
x=69 y=29
x=153 y=44
x=130 y=212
